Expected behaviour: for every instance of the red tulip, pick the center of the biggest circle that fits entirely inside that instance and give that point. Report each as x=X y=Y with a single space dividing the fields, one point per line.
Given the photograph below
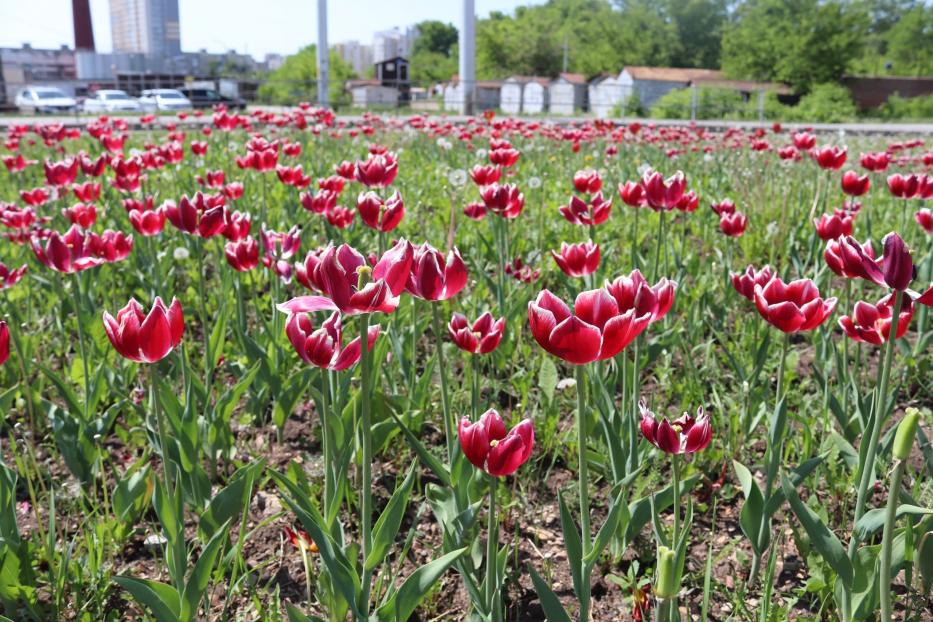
x=632 y=193
x=726 y=206
x=4 y=342
x=829 y=157
x=897 y=266
x=16 y=163
x=201 y=215
x=854 y=185
x=434 y=278
x=632 y=291
x=145 y=338
x=847 y=258
x=111 y=246
x=875 y=162
x=324 y=347
x=577 y=259
x=745 y=282
x=278 y=248
x=482 y=337
x=14 y=218
x=237 y=225
x=377 y=171
x=804 y=140
x=94 y=168
x=475 y=211
x=148 y=222
x=66 y=253
x=733 y=225
x=794 y=306
x=340 y=216
x=504 y=200
x=904 y=186
x=832 y=226
x=688 y=203
x=685 y=435
x=595 y=330
x=34 y=197
x=924 y=218
x=378 y=214
x=346 y=170
x=485 y=175
x=339 y=274
x=789 y=153
x=319 y=202
x=87 y=192
x=233 y=190
x=488 y=446
x=872 y=323
x=663 y=194
x=61 y=173
x=243 y=254
x=580 y=212
x=81 y=214
x=504 y=157
x=520 y=272
x=333 y=183
x=198 y=147
x=587 y=182
x=9 y=278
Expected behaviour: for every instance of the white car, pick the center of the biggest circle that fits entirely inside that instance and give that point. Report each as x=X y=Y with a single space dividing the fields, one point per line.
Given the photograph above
x=106 y=100
x=45 y=99
x=159 y=100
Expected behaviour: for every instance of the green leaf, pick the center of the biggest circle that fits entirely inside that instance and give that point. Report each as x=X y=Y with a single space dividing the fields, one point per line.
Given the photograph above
x=296 y=616
x=753 y=510
x=873 y=520
x=822 y=539
x=133 y=492
x=201 y=575
x=389 y=521
x=573 y=543
x=402 y=604
x=547 y=378
x=161 y=599
x=229 y=502
x=796 y=476
x=618 y=513
x=553 y=610
x=429 y=460
x=924 y=557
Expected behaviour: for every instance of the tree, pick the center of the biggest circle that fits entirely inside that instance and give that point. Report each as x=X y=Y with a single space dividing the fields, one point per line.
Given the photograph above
x=800 y=42
x=699 y=25
x=434 y=56
x=436 y=37
x=910 y=43
x=296 y=79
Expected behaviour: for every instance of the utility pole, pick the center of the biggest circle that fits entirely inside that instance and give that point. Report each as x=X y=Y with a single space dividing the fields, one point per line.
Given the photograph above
x=468 y=57
x=566 y=53
x=323 y=54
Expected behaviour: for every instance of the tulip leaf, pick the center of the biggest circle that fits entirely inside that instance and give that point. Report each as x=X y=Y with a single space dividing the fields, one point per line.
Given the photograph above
x=429 y=460
x=161 y=599
x=924 y=556
x=201 y=574
x=752 y=517
x=796 y=476
x=402 y=603
x=573 y=544
x=641 y=511
x=389 y=522
x=618 y=514
x=873 y=520
x=229 y=502
x=547 y=378
x=822 y=539
x=297 y=616
x=553 y=610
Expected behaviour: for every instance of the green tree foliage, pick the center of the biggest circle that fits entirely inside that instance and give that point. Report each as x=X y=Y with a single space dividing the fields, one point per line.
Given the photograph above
x=296 y=79
x=800 y=42
x=434 y=56
x=910 y=43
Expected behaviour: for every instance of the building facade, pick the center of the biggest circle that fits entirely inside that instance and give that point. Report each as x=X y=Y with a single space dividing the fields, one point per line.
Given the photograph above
x=357 y=55
x=145 y=27
x=393 y=43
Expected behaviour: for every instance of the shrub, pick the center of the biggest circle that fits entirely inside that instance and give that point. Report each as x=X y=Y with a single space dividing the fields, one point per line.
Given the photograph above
x=825 y=103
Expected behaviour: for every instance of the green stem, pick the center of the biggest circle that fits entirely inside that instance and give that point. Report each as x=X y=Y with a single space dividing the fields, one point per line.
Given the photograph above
x=76 y=290
x=327 y=439
x=867 y=468
x=208 y=365
x=675 y=488
x=492 y=548
x=366 y=475
x=657 y=250
x=780 y=379
x=583 y=485
x=474 y=359
x=449 y=429
x=160 y=430
x=887 y=541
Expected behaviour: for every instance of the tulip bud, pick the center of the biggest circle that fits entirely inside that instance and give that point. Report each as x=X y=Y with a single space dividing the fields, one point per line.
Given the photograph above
x=897 y=264
x=904 y=437
x=665 y=585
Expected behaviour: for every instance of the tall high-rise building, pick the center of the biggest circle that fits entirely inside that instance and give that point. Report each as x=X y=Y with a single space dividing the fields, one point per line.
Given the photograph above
x=145 y=27
x=391 y=43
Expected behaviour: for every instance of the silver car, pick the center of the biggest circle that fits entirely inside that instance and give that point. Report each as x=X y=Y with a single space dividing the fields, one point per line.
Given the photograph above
x=48 y=99
x=107 y=100
x=160 y=100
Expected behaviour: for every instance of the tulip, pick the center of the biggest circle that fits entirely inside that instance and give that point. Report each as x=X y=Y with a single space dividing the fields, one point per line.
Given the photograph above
x=829 y=157
x=340 y=216
x=875 y=162
x=346 y=170
x=847 y=258
x=504 y=200
x=81 y=214
x=595 y=330
x=897 y=266
x=632 y=291
x=17 y=218
x=278 y=248
x=16 y=163
x=685 y=435
x=733 y=225
x=475 y=211
x=4 y=342
x=481 y=337
x=381 y=215
x=924 y=218
x=804 y=140
x=319 y=202
x=587 y=182
x=662 y=194
x=520 y=272
x=34 y=197
x=833 y=226
x=490 y=447
x=577 y=259
x=854 y=185
x=688 y=203
x=485 y=175
x=233 y=190
x=723 y=208
x=333 y=183
x=111 y=246
x=744 y=283
x=377 y=171
x=504 y=157
x=61 y=173
x=196 y=216
x=789 y=153
x=324 y=347
x=237 y=225
x=434 y=278
x=145 y=338
x=904 y=186
x=339 y=275
x=871 y=323
x=242 y=255
x=9 y=278
x=580 y=212
x=66 y=253
x=632 y=193
x=87 y=192
x=792 y=307
x=148 y=222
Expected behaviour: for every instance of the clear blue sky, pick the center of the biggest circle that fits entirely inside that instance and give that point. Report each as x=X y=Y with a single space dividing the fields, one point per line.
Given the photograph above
x=261 y=27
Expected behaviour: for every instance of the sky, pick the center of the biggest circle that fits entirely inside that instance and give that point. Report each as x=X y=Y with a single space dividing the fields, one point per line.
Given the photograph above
x=257 y=28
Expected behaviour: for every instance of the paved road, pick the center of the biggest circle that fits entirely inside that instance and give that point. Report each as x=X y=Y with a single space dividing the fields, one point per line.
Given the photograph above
x=854 y=128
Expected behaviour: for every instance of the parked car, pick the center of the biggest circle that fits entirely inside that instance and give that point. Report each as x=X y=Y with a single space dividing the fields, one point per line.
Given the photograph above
x=160 y=100
x=48 y=99
x=208 y=98
x=107 y=100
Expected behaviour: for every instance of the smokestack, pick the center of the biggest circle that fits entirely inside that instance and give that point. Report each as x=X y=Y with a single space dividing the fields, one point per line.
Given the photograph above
x=84 y=32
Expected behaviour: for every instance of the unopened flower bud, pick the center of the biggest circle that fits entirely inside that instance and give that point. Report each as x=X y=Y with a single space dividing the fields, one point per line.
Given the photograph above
x=904 y=437
x=665 y=586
